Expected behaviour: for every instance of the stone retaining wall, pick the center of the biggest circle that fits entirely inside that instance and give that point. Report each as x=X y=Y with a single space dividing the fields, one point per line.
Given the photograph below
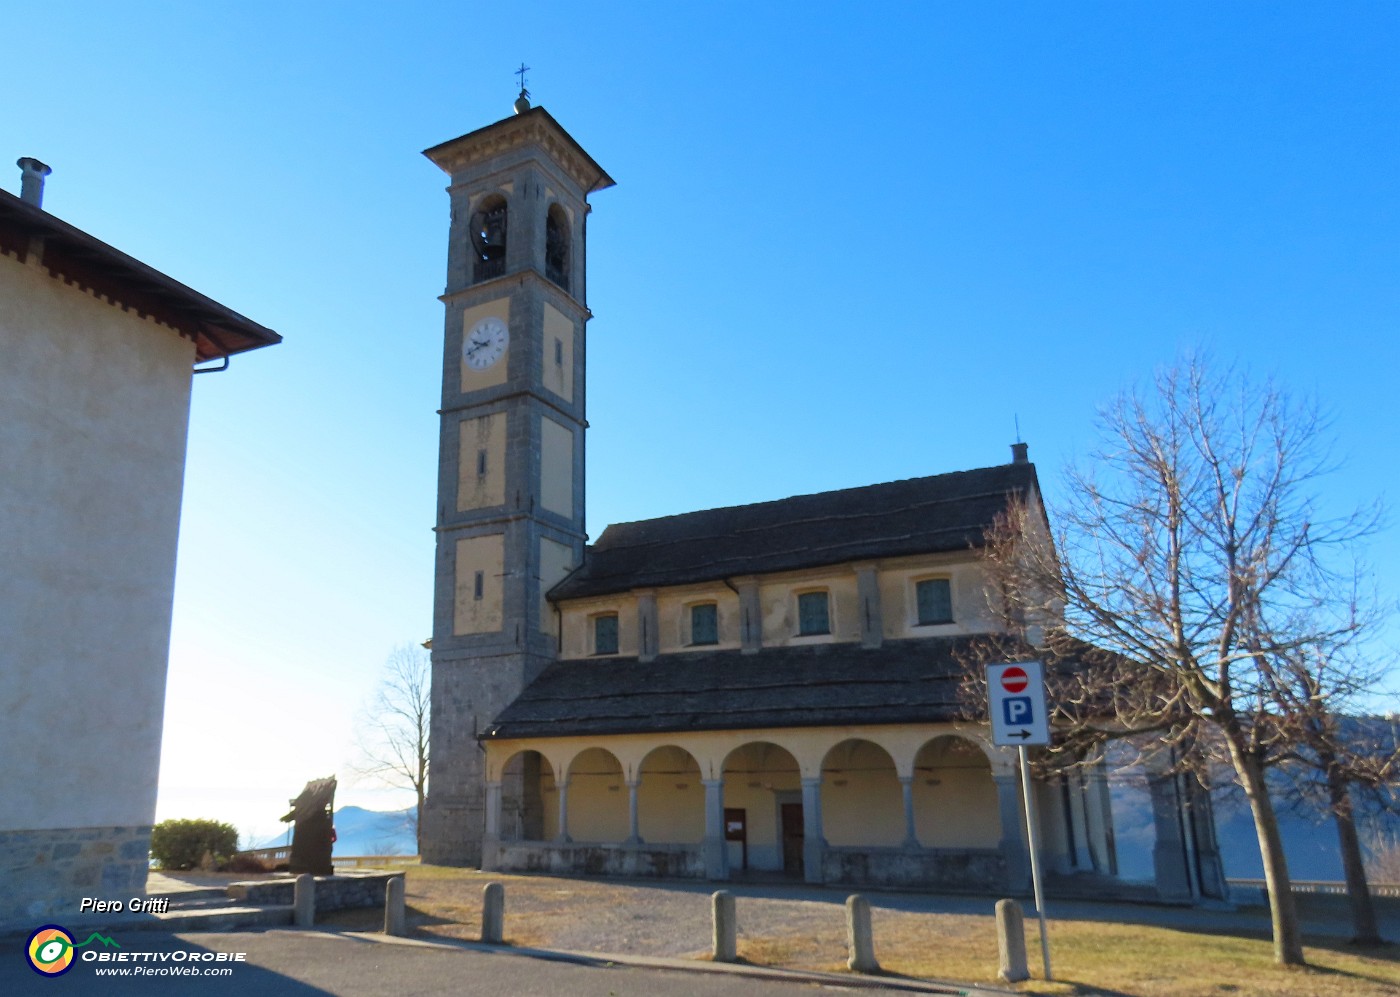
x=332 y=892
x=661 y=861
x=973 y=869
x=46 y=873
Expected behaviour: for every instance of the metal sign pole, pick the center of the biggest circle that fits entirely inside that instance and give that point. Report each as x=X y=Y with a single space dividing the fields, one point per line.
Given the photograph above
x=1033 y=842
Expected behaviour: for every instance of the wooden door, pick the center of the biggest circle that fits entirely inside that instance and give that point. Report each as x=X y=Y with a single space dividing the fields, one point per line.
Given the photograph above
x=792 y=838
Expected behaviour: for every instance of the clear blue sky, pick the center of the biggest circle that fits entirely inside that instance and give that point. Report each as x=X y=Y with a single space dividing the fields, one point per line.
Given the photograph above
x=849 y=243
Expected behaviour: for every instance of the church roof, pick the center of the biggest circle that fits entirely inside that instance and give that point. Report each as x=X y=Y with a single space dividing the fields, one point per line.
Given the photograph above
x=902 y=681
x=943 y=512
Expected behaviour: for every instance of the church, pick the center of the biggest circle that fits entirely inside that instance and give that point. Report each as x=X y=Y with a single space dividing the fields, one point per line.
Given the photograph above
x=762 y=690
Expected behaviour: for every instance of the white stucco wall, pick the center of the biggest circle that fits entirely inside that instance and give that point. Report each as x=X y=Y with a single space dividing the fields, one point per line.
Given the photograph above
x=94 y=408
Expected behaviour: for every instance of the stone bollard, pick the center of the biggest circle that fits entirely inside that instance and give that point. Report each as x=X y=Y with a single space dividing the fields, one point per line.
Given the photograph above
x=860 y=940
x=1011 y=942
x=725 y=947
x=394 y=907
x=304 y=901
x=493 y=913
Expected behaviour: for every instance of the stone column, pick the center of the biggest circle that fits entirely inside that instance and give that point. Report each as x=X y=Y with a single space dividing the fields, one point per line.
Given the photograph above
x=813 y=844
x=1208 y=864
x=1169 y=862
x=750 y=615
x=872 y=626
x=491 y=840
x=1013 y=831
x=715 y=851
x=648 y=640
x=634 y=836
x=911 y=837
x=562 y=837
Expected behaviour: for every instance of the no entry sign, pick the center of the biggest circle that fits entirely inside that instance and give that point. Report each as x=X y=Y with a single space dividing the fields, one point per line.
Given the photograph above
x=1016 y=703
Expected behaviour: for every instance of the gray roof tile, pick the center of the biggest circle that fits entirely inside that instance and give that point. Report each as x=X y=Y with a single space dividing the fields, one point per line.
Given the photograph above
x=944 y=512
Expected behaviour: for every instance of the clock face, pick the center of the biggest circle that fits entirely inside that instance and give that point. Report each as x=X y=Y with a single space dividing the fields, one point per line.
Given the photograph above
x=485 y=343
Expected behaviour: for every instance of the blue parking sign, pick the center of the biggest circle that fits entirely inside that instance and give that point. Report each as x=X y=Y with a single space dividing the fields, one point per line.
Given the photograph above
x=1017 y=710
x=1016 y=703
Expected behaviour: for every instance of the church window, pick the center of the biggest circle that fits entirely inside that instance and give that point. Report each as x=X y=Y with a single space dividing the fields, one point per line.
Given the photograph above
x=479 y=585
x=704 y=624
x=558 y=353
x=605 y=634
x=813 y=614
x=935 y=601
x=488 y=236
x=481 y=463
x=556 y=246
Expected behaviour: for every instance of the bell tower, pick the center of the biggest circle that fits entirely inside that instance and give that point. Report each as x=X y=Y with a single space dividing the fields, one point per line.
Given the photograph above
x=510 y=465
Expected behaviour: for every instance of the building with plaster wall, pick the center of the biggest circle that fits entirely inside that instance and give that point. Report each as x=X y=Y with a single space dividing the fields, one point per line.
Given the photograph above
x=96 y=358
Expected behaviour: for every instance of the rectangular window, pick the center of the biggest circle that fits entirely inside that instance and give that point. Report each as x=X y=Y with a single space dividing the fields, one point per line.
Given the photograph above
x=559 y=353
x=481 y=463
x=812 y=614
x=605 y=634
x=704 y=624
x=935 y=601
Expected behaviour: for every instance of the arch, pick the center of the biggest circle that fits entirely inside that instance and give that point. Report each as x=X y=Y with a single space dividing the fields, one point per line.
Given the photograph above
x=955 y=796
x=529 y=804
x=558 y=245
x=760 y=780
x=862 y=800
x=597 y=803
x=488 y=235
x=670 y=797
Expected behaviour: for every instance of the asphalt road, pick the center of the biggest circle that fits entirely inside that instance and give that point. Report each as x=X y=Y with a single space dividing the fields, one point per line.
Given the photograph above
x=302 y=964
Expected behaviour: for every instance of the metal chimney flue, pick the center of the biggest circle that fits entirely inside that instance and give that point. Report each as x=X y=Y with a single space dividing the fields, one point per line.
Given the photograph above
x=32 y=173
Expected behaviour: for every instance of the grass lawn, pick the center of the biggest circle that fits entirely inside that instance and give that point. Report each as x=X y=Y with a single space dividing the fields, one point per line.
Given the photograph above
x=1088 y=957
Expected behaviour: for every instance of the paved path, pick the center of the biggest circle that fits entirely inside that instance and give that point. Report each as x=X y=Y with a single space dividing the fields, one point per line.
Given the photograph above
x=308 y=963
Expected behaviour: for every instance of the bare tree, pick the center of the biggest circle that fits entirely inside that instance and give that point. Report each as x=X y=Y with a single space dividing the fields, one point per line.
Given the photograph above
x=1331 y=752
x=1190 y=556
x=393 y=727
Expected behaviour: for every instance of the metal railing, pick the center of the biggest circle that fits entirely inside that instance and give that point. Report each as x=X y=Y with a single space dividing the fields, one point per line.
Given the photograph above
x=374 y=861
x=1316 y=886
x=283 y=853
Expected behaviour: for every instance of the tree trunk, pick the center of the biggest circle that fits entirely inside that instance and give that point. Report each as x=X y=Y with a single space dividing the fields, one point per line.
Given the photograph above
x=418 y=821
x=1363 y=911
x=1283 y=910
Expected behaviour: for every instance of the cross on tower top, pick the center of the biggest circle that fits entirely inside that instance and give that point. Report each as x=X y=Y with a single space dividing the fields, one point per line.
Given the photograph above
x=521 y=73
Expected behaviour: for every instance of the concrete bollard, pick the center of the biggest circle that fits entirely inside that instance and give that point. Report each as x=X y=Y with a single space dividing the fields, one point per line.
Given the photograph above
x=394 y=914
x=725 y=947
x=304 y=901
x=860 y=939
x=1011 y=942
x=493 y=913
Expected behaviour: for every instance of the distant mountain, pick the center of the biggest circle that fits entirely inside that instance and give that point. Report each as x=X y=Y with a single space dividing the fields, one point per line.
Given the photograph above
x=367 y=832
x=374 y=832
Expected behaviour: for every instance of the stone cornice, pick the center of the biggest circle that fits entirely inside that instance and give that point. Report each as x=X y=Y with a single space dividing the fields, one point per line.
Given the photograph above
x=535 y=127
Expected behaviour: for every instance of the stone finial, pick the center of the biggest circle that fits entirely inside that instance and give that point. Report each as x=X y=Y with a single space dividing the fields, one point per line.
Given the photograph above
x=522 y=103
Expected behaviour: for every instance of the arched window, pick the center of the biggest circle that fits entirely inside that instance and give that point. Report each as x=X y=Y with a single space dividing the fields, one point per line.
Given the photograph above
x=488 y=235
x=556 y=246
